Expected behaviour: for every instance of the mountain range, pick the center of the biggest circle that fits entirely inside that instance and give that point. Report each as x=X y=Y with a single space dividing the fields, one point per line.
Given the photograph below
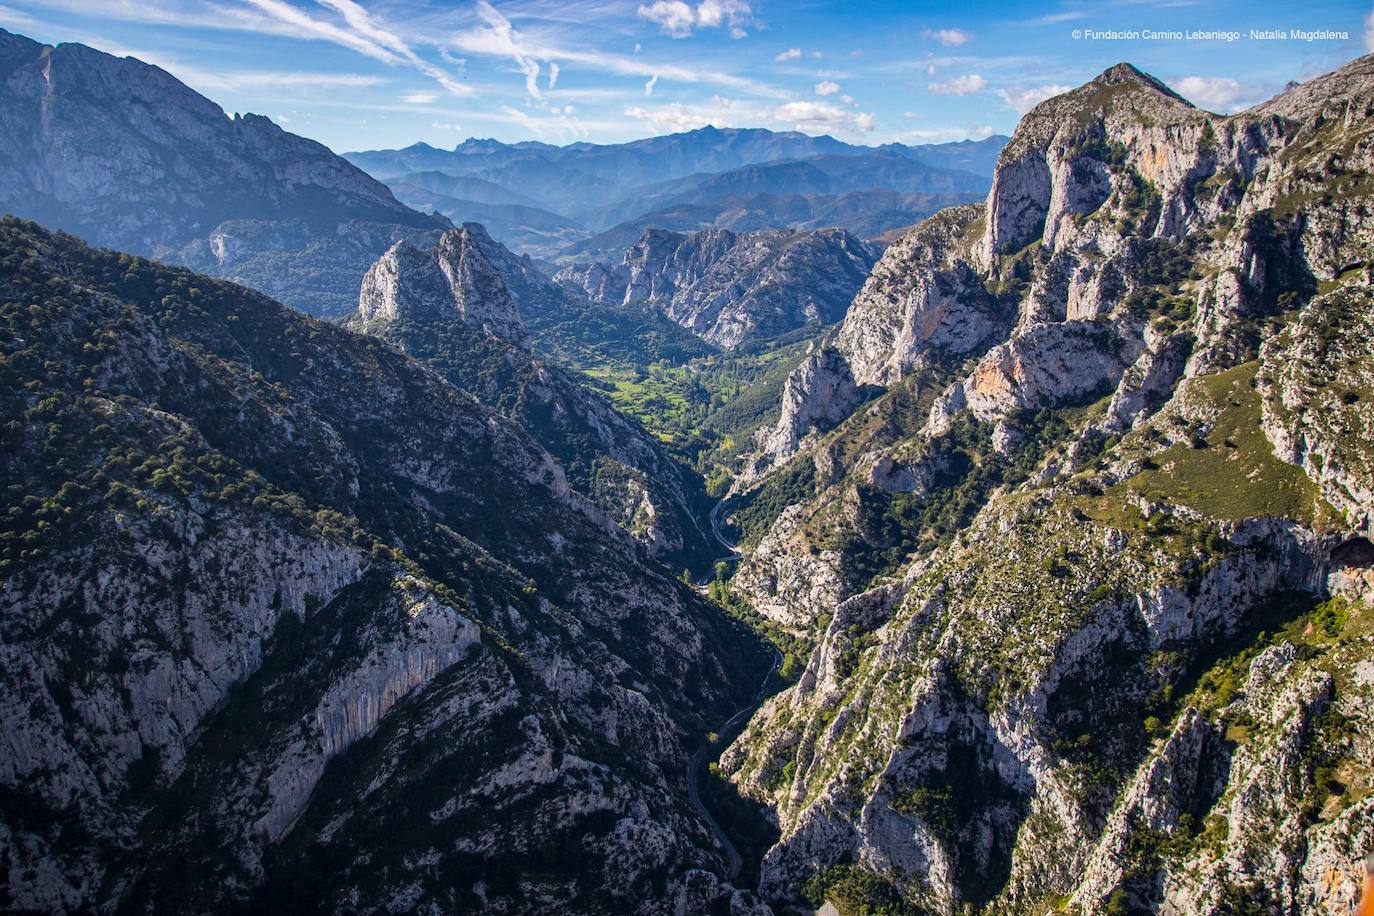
x=571 y=193
x=289 y=594
x=1037 y=575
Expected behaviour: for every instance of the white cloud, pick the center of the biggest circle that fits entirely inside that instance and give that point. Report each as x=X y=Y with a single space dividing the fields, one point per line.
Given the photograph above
x=673 y=17
x=1219 y=93
x=505 y=35
x=1022 y=99
x=827 y=88
x=711 y=13
x=949 y=134
x=959 y=85
x=1369 y=32
x=789 y=54
x=556 y=124
x=820 y=117
x=950 y=38
x=307 y=26
x=677 y=19
x=910 y=114
x=237 y=80
x=649 y=86
x=1053 y=18
x=419 y=98
x=816 y=55
x=283 y=119
x=677 y=117
x=553 y=74
x=445 y=125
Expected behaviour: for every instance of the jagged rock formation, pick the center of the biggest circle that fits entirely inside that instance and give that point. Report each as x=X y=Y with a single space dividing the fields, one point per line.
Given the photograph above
x=291 y=621
x=458 y=306
x=455 y=281
x=452 y=282
x=1106 y=460
x=731 y=289
x=122 y=154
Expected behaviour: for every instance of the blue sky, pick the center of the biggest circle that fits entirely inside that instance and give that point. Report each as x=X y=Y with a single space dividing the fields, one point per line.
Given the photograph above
x=362 y=74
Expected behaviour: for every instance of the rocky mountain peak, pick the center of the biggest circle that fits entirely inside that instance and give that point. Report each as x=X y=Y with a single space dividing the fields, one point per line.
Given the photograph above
x=1126 y=74
x=454 y=280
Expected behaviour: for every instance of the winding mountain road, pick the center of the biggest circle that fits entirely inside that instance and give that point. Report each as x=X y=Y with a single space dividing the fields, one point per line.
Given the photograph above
x=732 y=549
x=734 y=861
x=733 y=858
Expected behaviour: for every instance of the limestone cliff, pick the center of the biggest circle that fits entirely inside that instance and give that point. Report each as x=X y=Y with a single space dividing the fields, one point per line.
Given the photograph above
x=1087 y=561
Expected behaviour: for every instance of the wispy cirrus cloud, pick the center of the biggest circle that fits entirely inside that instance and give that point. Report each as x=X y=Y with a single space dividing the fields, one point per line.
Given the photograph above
x=495 y=36
x=365 y=24
x=16 y=18
x=359 y=32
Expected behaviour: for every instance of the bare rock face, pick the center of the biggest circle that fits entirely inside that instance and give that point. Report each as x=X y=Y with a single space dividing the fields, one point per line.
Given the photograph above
x=923 y=301
x=818 y=394
x=733 y=288
x=122 y=154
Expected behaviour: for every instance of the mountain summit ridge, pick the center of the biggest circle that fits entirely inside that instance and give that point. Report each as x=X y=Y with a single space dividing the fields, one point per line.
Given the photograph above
x=121 y=153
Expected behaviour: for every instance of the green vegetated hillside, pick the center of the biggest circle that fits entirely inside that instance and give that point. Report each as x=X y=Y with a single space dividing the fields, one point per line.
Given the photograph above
x=705 y=409
x=290 y=614
x=1086 y=561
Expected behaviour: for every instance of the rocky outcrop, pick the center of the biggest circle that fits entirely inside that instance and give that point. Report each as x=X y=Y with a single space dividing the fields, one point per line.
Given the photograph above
x=1099 y=191
x=122 y=154
x=733 y=288
x=1318 y=381
x=453 y=281
x=923 y=301
x=818 y=394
